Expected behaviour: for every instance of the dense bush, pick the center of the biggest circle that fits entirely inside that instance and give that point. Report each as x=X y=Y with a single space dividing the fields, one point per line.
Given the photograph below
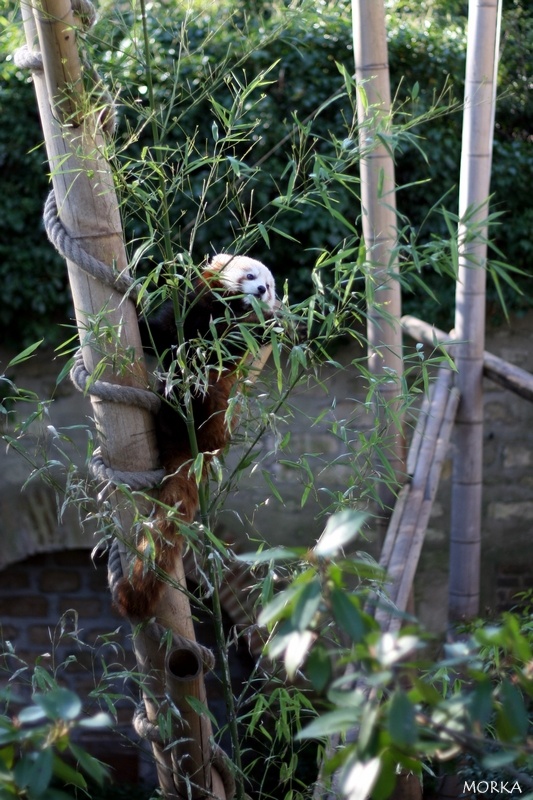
x=298 y=50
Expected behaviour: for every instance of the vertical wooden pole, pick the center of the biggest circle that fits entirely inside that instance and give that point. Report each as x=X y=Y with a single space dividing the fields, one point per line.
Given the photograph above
x=378 y=201
x=108 y=329
x=476 y=157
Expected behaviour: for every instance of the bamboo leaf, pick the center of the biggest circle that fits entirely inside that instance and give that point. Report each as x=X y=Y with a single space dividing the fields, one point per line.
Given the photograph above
x=401 y=720
x=25 y=354
x=512 y=717
x=338 y=721
x=272 y=487
x=298 y=644
x=359 y=778
x=318 y=668
x=347 y=614
x=307 y=605
x=341 y=529
x=91 y=765
x=59 y=704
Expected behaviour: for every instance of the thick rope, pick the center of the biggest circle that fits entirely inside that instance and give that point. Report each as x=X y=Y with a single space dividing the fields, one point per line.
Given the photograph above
x=137 y=481
x=28 y=59
x=127 y=395
x=219 y=759
x=155 y=631
x=71 y=249
x=111 y=392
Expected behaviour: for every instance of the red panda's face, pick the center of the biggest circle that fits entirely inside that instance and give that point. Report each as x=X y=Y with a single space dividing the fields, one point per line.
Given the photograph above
x=247 y=277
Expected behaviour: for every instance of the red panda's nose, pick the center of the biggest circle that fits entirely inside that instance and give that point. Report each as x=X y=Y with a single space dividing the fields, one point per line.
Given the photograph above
x=261 y=289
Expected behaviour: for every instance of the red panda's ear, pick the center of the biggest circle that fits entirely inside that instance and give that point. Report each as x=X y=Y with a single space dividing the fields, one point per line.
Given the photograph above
x=219 y=261
x=210 y=277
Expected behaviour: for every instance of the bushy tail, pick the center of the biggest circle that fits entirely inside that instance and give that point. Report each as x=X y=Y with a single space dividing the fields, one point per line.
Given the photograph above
x=137 y=594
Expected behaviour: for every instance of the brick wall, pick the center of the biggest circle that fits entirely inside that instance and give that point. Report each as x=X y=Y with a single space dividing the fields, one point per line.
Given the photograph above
x=56 y=612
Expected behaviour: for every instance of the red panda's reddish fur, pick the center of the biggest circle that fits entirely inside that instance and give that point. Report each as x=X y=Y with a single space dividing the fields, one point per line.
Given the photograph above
x=137 y=593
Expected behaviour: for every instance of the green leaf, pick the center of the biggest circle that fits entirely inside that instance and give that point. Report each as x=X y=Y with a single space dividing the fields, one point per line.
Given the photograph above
x=100 y=720
x=275 y=610
x=347 y=614
x=480 y=703
x=34 y=771
x=512 y=717
x=264 y=233
x=359 y=777
x=495 y=761
x=296 y=650
x=273 y=488
x=401 y=721
x=306 y=606
x=235 y=165
x=266 y=556
x=92 y=766
x=384 y=786
x=318 y=668
x=68 y=774
x=198 y=468
x=31 y=714
x=25 y=354
x=341 y=528
x=59 y=704
x=338 y=721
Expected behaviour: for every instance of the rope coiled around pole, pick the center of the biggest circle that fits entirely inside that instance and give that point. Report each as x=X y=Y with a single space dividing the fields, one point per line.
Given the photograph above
x=72 y=250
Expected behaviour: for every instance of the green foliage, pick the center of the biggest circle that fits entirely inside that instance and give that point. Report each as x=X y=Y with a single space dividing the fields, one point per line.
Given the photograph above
x=237 y=132
x=37 y=748
x=401 y=708
x=277 y=65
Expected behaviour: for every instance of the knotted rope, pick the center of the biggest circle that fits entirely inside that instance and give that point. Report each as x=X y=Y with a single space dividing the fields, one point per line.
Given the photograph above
x=31 y=59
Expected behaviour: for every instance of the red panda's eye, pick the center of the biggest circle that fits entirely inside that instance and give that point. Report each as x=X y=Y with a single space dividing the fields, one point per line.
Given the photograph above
x=250 y=276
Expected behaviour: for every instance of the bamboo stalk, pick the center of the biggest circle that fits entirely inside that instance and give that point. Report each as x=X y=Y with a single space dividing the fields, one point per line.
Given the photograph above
x=184 y=679
x=408 y=526
x=89 y=212
x=378 y=204
x=442 y=445
x=57 y=40
x=474 y=186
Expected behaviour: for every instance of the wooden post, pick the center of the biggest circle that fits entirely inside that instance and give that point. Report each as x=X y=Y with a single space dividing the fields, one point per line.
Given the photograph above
x=378 y=202
x=89 y=213
x=476 y=156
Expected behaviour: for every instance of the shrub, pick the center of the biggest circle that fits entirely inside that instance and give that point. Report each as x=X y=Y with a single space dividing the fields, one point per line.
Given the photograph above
x=297 y=49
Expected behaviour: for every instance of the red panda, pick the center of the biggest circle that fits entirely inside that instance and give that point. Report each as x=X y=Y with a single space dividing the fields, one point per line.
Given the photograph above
x=219 y=302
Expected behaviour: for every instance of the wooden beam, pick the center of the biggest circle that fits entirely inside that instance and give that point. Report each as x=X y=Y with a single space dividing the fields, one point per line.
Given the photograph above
x=511 y=377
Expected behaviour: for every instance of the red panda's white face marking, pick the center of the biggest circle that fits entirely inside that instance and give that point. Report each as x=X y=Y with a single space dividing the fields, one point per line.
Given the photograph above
x=246 y=276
